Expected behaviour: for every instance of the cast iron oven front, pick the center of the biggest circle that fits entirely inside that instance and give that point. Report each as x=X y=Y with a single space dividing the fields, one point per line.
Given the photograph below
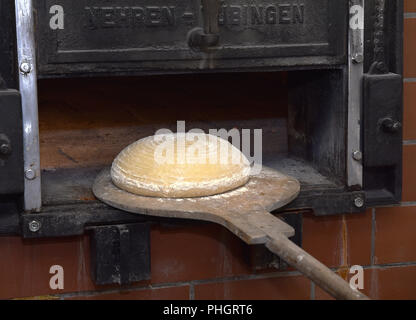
x=310 y=40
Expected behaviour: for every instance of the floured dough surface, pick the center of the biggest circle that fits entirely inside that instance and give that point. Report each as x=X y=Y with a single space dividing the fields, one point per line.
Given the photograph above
x=180 y=166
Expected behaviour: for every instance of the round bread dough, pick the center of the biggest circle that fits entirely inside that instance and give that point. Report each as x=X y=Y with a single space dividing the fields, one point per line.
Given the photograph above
x=179 y=165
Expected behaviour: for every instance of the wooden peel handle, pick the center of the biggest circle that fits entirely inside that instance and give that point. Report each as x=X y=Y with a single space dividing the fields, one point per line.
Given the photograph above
x=313 y=269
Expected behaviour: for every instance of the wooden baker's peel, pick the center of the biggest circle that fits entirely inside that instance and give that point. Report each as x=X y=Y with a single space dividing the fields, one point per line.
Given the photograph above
x=245 y=212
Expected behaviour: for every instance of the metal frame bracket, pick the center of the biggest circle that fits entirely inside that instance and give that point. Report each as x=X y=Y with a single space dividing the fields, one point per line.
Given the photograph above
x=120 y=253
x=26 y=54
x=355 y=80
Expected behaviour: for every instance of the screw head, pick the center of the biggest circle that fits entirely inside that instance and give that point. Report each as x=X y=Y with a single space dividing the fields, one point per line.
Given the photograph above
x=357 y=155
x=359 y=202
x=5 y=148
x=381 y=66
x=25 y=67
x=30 y=174
x=34 y=226
x=358 y=58
x=396 y=126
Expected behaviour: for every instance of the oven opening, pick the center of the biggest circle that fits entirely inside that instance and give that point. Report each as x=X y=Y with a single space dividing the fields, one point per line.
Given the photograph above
x=85 y=122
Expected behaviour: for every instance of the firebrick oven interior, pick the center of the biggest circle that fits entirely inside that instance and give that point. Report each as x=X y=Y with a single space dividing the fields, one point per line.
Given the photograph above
x=310 y=90
x=79 y=135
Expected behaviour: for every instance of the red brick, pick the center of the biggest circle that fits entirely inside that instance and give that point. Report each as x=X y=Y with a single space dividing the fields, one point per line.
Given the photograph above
x=195 y=252
x=24 y=266
x=172 y=293
x=322 y=238
x=409 y=173
x=395 y=235
x=396 y=283
x=409 y=48
x=281 y=288
x=409 y=128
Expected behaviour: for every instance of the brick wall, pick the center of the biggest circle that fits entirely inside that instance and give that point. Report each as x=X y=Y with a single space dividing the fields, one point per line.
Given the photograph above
x=205 y=261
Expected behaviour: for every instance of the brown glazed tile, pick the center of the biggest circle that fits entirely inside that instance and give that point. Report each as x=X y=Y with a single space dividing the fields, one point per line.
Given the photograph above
x=395 y=235
x=173 y=293
x=409 y=6
x=345 y=274
x=195 y=252
x=384 y=283
x=395 y=283
x=25 y=265
x=339 y=241
x=409 y=122
x=358 y=238
x=409 y=173
x=48 y=297
x=322 y=238
x=320 y=294
x=409 y=49
x=281 y=288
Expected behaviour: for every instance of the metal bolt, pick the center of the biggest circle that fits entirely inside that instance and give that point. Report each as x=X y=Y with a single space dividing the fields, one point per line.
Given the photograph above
x=390 y=126
x=34 y=226
x=5 y=148
x=357 y=155
x=25 y=67
x=359 y=202
x=381 y=66
x=30 y=174
x=358 y=58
